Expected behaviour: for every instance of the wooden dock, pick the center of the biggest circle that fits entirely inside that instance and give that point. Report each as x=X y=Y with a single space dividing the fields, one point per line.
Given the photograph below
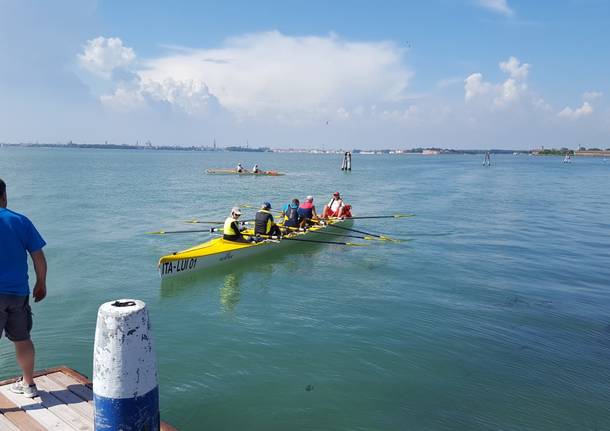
x=64 y=402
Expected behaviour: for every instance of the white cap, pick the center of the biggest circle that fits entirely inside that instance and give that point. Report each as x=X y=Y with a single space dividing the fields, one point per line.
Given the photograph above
x=309 y=198
x=236 y=210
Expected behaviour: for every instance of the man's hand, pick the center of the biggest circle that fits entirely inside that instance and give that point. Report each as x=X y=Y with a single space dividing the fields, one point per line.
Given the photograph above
x=40 y=266
x=40 y=291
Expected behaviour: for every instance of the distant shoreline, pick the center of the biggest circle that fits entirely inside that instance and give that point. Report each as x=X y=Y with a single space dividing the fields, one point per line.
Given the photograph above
x=150 y=147
x=413 y=151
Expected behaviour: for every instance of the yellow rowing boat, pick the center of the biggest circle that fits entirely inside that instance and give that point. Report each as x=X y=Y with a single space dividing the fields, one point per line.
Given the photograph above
x=219 y=251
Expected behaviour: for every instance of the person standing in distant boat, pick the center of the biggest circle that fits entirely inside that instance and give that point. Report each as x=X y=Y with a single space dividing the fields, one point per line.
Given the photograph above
x=255 y=169
x=232 y=230
x=19 y=237
x=239 y=168
x=307 y=212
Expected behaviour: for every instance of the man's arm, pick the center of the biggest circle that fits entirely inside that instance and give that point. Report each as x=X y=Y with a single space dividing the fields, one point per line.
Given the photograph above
x=40 y=266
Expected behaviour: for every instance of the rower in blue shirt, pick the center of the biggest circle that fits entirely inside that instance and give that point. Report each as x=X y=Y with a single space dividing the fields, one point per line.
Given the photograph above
x=291 y=214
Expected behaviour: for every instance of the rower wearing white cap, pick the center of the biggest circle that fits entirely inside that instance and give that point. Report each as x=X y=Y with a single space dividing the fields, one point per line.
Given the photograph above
x=232 y=231
x=307 y=212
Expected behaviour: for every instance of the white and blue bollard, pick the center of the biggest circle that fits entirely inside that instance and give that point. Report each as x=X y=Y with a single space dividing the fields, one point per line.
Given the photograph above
x=125 y=383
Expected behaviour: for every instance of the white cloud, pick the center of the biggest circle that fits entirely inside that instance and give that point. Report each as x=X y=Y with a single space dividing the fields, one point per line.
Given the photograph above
x=474 y=86
x=498 y=6
x=102 y=56
x=501 y=94
x=514 y=68
x=573 y=114
x=404 y=116
x=541 y=104
x=591 y=95
x=264 y=75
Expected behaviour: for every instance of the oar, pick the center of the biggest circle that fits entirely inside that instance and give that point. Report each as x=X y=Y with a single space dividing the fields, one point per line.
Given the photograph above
x=313 y=240
x=166 y=232
x=216 y=222
x=380 y=216
x=381 y=237
x=203 y=222
x=368 y=238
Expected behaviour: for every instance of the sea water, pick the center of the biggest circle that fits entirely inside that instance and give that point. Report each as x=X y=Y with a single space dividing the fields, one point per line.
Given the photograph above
x=493 y=313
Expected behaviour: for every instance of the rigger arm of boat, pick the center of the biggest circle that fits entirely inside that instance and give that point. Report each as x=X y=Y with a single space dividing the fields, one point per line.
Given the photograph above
x=295 y=237
x=345 y=235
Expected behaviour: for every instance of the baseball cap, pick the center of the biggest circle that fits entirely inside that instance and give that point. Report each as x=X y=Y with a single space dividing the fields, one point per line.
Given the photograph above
x=266 y=205
x=336 y=194
x=236 y=210
x=309 y=198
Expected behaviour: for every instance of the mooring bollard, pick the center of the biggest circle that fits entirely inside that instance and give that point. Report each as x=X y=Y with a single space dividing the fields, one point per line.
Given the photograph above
x=125 y=383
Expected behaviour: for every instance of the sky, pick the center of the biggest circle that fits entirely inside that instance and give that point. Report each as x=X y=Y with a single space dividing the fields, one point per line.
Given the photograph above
x=463 y=74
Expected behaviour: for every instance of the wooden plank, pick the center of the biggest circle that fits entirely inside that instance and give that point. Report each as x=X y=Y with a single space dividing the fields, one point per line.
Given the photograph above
x=35 y=408
x=70 y=381
x=82 y=407
x=17 y=416
x=7 y=425
x=45 y=371
x=73 y=385
x=64 y=412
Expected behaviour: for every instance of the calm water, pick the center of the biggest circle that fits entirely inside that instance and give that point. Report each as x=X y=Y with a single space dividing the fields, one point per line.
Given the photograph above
x=494 y=316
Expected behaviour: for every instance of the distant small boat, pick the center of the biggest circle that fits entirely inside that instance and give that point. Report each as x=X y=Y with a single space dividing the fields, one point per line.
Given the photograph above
x=245 y=173
x=567 y=159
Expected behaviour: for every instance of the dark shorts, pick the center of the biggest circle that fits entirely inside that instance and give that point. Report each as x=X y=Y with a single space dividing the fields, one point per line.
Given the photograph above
x=15 y=317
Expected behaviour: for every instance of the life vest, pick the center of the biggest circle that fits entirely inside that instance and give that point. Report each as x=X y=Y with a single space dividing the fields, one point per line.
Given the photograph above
x=306 y=210
x=263 y=222
x=229 y=230
x=292 y=217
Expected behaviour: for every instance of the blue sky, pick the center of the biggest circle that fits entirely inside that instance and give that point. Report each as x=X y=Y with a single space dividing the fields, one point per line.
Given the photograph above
x=344 y=74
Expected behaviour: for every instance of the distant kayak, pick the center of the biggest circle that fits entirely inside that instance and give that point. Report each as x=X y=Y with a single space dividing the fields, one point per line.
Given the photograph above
x=234 y=172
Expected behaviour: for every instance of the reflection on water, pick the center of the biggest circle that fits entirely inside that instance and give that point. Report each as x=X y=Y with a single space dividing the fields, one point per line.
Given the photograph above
x=229 y=278
x=229 y=292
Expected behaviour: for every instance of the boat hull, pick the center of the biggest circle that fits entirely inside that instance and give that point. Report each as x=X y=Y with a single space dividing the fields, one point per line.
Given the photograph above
x=244 y=173
x=218 y=252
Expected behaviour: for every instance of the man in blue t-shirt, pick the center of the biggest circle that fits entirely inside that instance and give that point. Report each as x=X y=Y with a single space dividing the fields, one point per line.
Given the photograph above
x=18 y=236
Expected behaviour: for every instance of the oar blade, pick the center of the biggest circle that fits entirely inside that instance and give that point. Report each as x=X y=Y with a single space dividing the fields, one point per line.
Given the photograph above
x=403 y=215
x=357 y=244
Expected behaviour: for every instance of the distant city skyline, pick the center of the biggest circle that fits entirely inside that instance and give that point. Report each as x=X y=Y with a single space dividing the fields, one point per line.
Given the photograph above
x=463 y=74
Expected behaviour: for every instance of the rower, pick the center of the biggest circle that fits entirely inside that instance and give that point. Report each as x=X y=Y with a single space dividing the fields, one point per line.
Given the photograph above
x=239 y=168
x=264 y=223
x=335 y=207
x=232 y=230
x=291 y=214
x=347 y=211
x=307 y=212
x=255 y=169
